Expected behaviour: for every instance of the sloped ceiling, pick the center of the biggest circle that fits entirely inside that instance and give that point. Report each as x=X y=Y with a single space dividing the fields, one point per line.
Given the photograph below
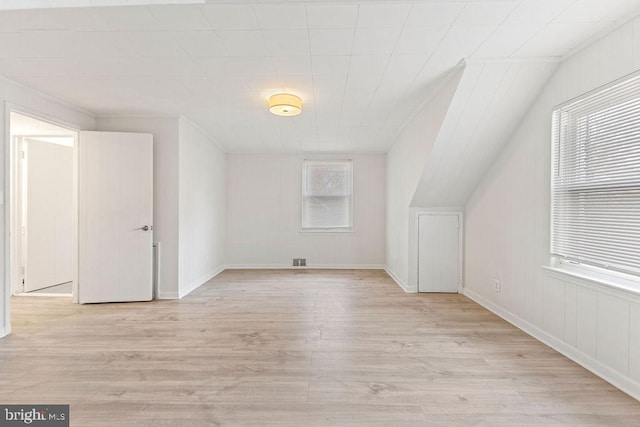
x=361 y=67
x=489 y=102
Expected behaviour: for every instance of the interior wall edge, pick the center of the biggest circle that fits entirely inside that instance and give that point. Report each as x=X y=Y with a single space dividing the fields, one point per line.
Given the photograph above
x=399 y=281
x=200 y=281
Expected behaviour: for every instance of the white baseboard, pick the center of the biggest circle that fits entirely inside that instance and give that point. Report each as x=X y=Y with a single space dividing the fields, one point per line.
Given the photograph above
x=3 y=332
x=311 y=266
x=621 y=381
x=398 y=280
x=167 y=295
x=200 y=281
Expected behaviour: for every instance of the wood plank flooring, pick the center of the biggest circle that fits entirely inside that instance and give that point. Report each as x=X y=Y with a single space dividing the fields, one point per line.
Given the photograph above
x=296 y=347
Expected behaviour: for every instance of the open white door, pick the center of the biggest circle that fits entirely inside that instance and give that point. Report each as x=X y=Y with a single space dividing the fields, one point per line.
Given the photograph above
x=47 y=226
x=115 y=217
x=439 y=253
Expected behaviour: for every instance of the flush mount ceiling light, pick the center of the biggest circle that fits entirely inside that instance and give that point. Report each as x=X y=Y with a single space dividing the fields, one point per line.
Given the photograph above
x=285 y=104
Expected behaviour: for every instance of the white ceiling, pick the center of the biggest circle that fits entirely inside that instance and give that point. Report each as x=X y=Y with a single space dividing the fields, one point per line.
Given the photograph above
x=361 y=68
x=485 y=110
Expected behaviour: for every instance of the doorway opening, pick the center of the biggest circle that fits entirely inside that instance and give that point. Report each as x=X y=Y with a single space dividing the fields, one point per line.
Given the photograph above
x=43 y=213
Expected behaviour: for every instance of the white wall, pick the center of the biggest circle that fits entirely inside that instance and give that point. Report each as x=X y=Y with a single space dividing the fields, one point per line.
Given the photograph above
x=165 y=188
x=507 y=233
x=264 y=204
x=405 y=164
x=28 y=101
x=202 y=207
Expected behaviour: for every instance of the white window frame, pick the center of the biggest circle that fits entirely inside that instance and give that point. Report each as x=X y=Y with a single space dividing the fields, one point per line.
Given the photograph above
x=304 y=229
x=586 y=272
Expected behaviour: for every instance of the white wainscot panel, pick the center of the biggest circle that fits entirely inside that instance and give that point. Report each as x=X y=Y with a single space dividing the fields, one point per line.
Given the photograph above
x=613 y=332
x=553 y=308
x=634 y=344
x=587 y=305
x=570 y=314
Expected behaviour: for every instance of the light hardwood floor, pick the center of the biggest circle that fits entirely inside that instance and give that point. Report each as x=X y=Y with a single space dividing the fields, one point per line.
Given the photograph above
x=300 y=348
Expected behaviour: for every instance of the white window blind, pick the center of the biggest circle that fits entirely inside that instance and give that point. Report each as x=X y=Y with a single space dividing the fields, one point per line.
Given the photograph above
x=596 y=179
x=327 y=194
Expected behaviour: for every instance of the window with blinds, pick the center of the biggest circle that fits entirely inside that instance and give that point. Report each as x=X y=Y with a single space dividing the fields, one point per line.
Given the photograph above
x=327 y=195
x=596 y=179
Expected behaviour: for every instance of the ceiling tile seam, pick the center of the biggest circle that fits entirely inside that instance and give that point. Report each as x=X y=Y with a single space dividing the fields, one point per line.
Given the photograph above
x=511 y=86
x=613 y=25
x=515 y=128
x=422 y=104
x=484 y=113
x=437 y=167
x=395 y=45
x=344 y=88
x=274 y=129
x=441 y=84
x=206 y=134
x=496 y=28
x=439 y=44
x=546 y=25
x=313 y=83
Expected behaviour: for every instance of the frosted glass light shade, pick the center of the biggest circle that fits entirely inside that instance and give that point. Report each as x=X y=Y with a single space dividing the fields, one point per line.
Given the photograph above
x=285 y=104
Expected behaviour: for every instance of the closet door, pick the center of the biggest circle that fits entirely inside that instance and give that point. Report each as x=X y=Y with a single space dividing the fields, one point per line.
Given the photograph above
x=439 y=253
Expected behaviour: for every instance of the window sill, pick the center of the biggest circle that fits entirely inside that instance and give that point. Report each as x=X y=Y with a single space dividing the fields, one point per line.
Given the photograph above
x=326 y=231
x=621 y=286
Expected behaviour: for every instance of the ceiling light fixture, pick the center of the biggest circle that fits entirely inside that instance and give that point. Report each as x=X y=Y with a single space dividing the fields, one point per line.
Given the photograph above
x=285 y=104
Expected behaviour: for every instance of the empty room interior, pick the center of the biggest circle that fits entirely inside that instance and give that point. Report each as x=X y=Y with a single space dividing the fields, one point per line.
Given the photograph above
x=310 y=212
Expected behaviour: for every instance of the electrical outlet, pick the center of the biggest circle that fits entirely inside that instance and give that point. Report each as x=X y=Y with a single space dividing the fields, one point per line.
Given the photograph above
x=496 y=284
x=303 y=262
x=296 y=262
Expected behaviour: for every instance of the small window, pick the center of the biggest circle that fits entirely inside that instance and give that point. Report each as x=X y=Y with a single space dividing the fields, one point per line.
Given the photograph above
x=327 y=195
x=596 y=179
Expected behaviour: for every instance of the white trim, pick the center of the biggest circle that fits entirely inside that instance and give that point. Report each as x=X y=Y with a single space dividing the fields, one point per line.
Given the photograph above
x=167 y=295
x=6 y=223
x=199 y=282
x=624 y=383
x=308 y=267
x=347 y=230
x=596 y=283
x=50 y=98
x=305 y=153
x=43 y=294
x=460 y=215
x=398 y=280
x=3 y=333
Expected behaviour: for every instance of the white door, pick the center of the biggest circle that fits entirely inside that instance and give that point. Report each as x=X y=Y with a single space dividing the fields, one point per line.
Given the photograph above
x=438 y=253
x=48 y=214
x=115 y=200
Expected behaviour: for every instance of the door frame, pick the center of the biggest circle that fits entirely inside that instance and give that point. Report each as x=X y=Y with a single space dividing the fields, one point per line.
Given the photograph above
x=460 y=216
x=10 y=206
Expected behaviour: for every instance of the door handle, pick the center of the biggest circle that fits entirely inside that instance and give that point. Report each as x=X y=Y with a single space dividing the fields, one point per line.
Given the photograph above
x=143 y=228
